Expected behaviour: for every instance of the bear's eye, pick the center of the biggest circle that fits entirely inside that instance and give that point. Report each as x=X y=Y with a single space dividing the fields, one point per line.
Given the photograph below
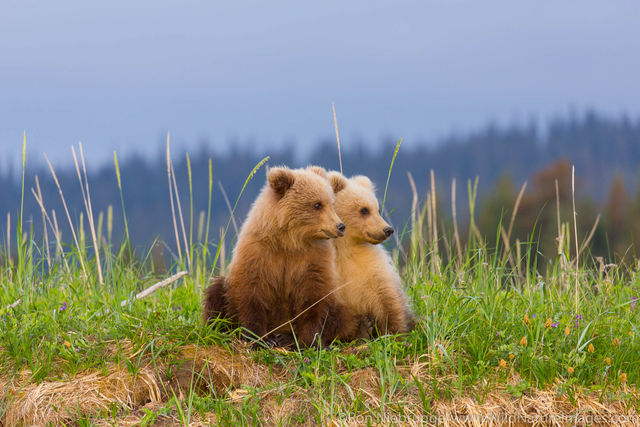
x=317 y=206
x=364 y=211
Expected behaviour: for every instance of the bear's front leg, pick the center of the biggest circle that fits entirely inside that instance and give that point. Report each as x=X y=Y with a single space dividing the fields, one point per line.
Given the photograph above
x=253 y=315
x=394 y=318
x=309 y=328
x=366 y=327
x=344 y=325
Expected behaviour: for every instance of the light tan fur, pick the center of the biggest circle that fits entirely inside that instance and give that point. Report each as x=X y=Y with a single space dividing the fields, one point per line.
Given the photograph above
x=373 y=286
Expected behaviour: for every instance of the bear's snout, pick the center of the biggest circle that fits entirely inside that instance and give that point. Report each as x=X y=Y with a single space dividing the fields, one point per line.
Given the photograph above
x=341 y=227
x=388 y=231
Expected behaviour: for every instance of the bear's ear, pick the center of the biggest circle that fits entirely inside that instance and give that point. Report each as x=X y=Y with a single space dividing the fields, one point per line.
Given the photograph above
x=318 y=170
x=364 y=181
x=280 y=180
x=337 y=180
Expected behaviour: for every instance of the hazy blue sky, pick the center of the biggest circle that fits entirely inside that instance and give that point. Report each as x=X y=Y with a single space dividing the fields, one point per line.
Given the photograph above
x=119 y=74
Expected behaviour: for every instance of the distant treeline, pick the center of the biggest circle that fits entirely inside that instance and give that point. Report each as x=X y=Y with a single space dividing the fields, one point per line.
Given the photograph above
x=605 y=152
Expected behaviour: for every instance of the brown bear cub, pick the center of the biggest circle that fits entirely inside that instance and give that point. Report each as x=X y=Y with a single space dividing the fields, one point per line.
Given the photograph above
x=283 y=270
x=373 y=286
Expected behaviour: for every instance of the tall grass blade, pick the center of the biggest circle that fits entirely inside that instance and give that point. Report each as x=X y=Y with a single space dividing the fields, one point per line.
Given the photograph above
x=454 y=215
x=335 y=124
x=24 y=164
x=209 y=204
x=246 y=182
x=9 y=238
x=43 y=211
x=434 y=215
x=124 y=212
x=575 y=231
x=173 y=211
x=179 y=204
x=66 y=209
x=515 y=209
x=590 y=235
x=86 y=197
x=393 y=159
x=228 y=203
x=190 y=201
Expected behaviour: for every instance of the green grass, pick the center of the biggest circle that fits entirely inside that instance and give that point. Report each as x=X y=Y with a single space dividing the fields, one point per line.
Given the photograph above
x=483 y=329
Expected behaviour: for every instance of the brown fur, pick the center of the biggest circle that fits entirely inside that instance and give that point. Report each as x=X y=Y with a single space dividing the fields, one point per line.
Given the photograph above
x=373 y=285
x=283 y=266
x=215 y=301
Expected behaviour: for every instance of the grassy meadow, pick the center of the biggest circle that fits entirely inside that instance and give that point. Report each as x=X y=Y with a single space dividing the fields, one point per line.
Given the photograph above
x=499 y=337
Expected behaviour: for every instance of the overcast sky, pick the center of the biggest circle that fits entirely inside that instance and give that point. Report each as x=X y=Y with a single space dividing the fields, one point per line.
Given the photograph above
x=120 y=74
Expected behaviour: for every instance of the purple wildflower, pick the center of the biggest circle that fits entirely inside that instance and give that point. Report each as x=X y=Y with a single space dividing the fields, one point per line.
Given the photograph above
x=533 y=316
x=578 y=319
x=634 y=302
x=554 y=325
x=306 y=360
x=63 y=307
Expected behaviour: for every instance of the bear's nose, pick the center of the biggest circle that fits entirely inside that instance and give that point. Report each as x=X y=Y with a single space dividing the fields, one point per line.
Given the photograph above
x=341 y=227
x=388 y=231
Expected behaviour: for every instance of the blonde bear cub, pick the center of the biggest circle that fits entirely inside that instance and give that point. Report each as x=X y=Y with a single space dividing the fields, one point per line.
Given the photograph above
x=369 y=283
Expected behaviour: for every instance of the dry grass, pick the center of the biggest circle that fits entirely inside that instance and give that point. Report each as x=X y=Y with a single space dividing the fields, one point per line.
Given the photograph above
x=208 y=370
x=58 y=401
x=216 y=369
x=230 y=373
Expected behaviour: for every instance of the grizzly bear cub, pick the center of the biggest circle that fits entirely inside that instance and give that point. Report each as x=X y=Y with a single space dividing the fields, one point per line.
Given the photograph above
x=373 y=286
x=282 y=277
